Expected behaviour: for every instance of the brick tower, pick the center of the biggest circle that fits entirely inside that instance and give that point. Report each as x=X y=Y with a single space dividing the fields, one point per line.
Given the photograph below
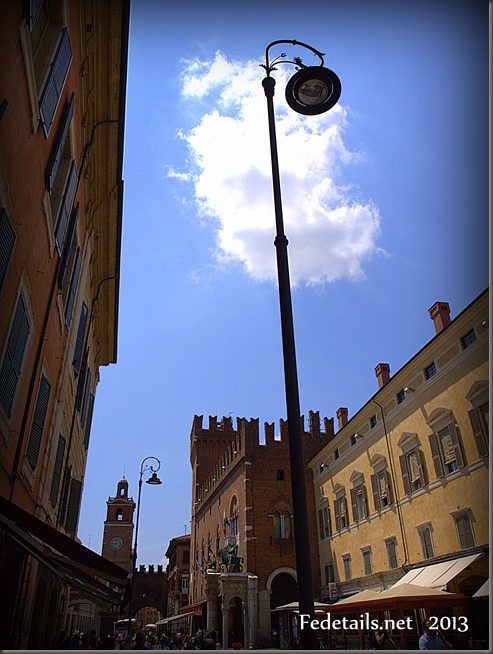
x=118 y=527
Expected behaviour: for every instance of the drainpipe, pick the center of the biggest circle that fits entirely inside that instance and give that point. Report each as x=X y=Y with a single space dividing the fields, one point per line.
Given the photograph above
x=394 y=484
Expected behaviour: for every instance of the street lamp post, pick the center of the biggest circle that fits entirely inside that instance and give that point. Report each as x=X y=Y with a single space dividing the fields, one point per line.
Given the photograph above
x=153 y=481
x=311 y=91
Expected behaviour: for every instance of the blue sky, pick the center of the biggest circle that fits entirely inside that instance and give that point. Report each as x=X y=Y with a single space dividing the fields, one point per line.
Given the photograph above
x=386 y=211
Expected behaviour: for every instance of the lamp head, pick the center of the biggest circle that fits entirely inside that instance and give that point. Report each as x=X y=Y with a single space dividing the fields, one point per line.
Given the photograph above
x=313 y=90
x=154 y=480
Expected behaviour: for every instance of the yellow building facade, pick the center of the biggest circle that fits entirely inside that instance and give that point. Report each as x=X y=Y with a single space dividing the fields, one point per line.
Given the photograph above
x=404 y=483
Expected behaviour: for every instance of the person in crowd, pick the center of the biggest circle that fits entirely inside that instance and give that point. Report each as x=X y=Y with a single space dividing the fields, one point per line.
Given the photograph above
x=108 y=642
x=128 y=643
x=380 y=638
x=208 y=642
x=199 y=637
x=140 y=640
x=433 y=638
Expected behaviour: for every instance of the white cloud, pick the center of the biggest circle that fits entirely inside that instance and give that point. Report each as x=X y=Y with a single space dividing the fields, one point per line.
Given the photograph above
x=331 y=233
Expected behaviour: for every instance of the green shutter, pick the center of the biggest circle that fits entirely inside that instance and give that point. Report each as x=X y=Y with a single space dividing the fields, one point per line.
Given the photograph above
x=53 y=87
x=66 y=207
x=7 y=241
x=435 y=452
x=74 y=280
x=81 y=333
x=405 y=474
x=59 y=147
x=14 y=353
x=87 y=430
x=57 y=471
x=38 y=423
x=73 y=507
x=480 y=436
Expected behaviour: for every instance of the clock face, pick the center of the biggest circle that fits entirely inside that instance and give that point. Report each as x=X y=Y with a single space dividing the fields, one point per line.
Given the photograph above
x=116 y=544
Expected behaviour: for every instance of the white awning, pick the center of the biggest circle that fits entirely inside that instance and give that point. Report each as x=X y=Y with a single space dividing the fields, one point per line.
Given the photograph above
x=437 y=575
x=484 y=591
x=173 y=618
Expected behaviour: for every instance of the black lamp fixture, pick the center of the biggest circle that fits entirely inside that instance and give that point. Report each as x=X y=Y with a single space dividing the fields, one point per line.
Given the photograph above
x=311 y=91
x=152 y=481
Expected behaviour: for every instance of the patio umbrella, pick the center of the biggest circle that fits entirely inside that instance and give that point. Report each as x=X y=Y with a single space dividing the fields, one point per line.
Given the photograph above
x=362 y=596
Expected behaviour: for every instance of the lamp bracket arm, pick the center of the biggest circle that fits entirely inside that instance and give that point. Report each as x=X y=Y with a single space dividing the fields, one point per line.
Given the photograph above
x=269 y=66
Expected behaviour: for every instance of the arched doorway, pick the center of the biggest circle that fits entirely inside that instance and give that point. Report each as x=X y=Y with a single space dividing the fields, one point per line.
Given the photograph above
x=284 y=589
x=236 y=628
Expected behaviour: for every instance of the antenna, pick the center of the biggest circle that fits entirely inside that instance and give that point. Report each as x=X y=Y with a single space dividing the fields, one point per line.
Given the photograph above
x=185 y=528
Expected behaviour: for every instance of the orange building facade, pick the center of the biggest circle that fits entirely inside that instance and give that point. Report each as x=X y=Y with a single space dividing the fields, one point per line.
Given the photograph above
x=62 y=87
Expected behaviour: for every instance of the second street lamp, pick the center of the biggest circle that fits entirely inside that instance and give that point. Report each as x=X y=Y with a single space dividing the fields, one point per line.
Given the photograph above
x=311 y=91
x=153 y=481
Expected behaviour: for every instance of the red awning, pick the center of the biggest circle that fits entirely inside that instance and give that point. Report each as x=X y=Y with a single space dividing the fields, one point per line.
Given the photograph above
x=91 y=574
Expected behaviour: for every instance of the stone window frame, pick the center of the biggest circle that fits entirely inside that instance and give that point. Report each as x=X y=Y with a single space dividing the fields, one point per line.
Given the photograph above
x=367 y=560
x=381 y=472
x=388 y=541
x=464 y=513
x=346 y=566
x=324 y=519
x=422 y=529
x=443 y=425
x=410 y=444
x=341 y=503
x=359 y=497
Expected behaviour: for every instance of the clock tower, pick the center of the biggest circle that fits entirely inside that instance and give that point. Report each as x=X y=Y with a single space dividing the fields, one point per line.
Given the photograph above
x=119 y=527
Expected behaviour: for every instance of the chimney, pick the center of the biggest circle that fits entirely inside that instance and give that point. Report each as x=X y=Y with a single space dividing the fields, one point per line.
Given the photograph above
x=341 y=416
x=382 y=372
x=440 y=314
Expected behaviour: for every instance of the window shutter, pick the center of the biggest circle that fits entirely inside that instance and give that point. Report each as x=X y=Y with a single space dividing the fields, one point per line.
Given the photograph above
x=67 y=247
x=480 y=436
x=81 y=333
x=87 y=386
x=87 y=430
x=435 y=452
x=57 y=471
x=7 y=241
x=81 y=385
x=422 y=467
x=38 y=424
x=14 y=353
x=74 y=280
x=337 y=515
x=52 y=90
x=405 y=474
x=329 y=522
x=375 y=492
x=66 y=208
x=65 y=489
x=388 y=485
x=59 y=147
x=321 y=523
x=354 y=506
x=73 y=507
x=456 y=443
x=464 y=531
x=365 y=502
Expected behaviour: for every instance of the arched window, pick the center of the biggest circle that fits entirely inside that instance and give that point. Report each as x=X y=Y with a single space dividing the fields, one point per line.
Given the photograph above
x=286 y=525
x=277 y=524
x=119 y=514
x=282 y=524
